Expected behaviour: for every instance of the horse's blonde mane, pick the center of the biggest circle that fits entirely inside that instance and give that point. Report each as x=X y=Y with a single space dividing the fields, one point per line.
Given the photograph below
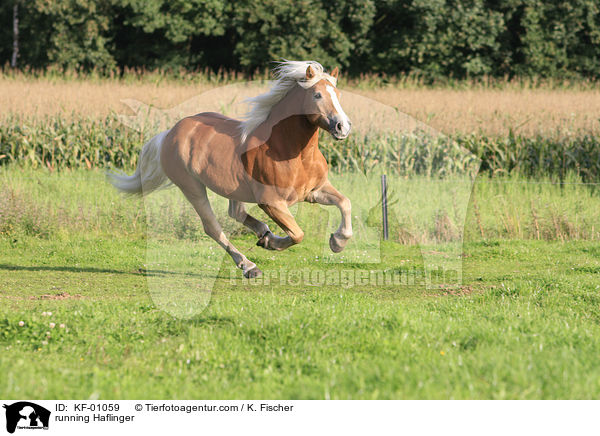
x=287 y=74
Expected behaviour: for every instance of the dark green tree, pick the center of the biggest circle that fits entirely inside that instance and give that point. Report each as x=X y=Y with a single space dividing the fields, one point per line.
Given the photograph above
x=332 y=32
x=162 y=33
x=438 y=37
x=434 y=38
x=561 y=38
x=81 y=33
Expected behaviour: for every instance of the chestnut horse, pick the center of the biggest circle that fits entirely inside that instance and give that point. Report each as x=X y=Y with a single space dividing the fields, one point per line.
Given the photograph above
x=272 y=158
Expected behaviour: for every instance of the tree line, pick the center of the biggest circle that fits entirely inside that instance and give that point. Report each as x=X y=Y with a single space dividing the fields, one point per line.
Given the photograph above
x=430 y=38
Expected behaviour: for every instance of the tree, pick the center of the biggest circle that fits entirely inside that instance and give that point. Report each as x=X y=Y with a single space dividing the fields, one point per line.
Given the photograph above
x=81 y=33
x=15 y=53
x=332 y=32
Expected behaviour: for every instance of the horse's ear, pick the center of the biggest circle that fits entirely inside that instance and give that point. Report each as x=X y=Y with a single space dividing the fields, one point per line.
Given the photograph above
x=310 y=72
x=335 y=73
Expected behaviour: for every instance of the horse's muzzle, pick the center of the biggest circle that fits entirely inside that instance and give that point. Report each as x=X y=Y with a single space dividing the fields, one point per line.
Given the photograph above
x=340 y=128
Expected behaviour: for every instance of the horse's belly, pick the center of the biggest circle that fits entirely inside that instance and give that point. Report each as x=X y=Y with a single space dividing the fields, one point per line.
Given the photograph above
x=222 y=172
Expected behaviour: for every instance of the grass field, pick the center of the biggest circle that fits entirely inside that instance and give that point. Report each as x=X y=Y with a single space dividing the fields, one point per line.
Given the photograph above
x=90 y=282
x=523 y=324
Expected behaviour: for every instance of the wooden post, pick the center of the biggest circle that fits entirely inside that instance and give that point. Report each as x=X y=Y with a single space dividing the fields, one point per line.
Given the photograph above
x=384 y=212
x=15 y=53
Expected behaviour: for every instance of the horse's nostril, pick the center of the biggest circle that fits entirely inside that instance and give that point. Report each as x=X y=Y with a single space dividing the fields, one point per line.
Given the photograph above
x=338 y=127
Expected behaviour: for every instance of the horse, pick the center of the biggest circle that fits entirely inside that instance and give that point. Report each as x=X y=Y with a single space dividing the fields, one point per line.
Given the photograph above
x=271 y=158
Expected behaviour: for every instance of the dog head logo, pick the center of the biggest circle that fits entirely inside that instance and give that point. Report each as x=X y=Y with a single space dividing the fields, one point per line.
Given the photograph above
x=26 y=415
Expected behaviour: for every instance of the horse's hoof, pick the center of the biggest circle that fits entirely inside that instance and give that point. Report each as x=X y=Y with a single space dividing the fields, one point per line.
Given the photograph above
x=335 y=246
x=264 y=241
x=252 y=273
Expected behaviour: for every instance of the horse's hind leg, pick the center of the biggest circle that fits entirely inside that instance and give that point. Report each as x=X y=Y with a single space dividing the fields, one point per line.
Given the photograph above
x=199 y=200
x=280 y=213
x=237 y=211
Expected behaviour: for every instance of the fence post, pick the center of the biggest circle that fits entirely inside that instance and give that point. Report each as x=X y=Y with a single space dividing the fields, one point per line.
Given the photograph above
x=384 y=212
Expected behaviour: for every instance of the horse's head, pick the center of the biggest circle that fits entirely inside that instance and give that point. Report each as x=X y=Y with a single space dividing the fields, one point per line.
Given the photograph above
x=301 y=88
x=322 y=105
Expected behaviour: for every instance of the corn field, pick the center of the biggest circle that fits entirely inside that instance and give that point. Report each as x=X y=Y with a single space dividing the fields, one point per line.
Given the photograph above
x=57 y=143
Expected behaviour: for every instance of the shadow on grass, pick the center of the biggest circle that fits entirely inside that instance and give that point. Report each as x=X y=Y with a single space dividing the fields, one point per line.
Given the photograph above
x=138 y=272
x=211 y=320
x=177 y=327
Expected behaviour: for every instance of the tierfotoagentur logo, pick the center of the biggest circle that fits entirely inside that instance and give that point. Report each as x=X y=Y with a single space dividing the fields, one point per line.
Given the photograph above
x=25 y=415
x=429 y=184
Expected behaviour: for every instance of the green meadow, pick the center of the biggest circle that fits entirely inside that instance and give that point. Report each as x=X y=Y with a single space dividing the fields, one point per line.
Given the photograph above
x=86 y=312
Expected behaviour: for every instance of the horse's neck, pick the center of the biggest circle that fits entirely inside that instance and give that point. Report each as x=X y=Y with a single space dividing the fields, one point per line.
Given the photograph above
x=293 y=136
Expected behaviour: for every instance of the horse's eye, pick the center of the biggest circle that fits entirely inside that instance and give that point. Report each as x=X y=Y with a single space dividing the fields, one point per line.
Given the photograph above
x=318 y=95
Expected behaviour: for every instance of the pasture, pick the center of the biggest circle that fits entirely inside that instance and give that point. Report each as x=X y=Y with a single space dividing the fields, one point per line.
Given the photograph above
x=80 y=318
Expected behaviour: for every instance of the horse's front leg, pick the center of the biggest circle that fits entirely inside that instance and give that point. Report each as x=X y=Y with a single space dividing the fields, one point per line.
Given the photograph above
x=327 y=195
x=280 y=213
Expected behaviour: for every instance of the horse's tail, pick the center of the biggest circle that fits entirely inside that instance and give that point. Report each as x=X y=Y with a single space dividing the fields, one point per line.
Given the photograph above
x=149 y=175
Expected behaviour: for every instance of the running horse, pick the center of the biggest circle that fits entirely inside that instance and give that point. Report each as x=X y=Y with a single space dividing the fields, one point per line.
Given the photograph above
x=270 y=158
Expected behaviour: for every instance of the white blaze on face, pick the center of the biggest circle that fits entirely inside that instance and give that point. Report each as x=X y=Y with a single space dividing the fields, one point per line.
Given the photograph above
x=343 y=118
